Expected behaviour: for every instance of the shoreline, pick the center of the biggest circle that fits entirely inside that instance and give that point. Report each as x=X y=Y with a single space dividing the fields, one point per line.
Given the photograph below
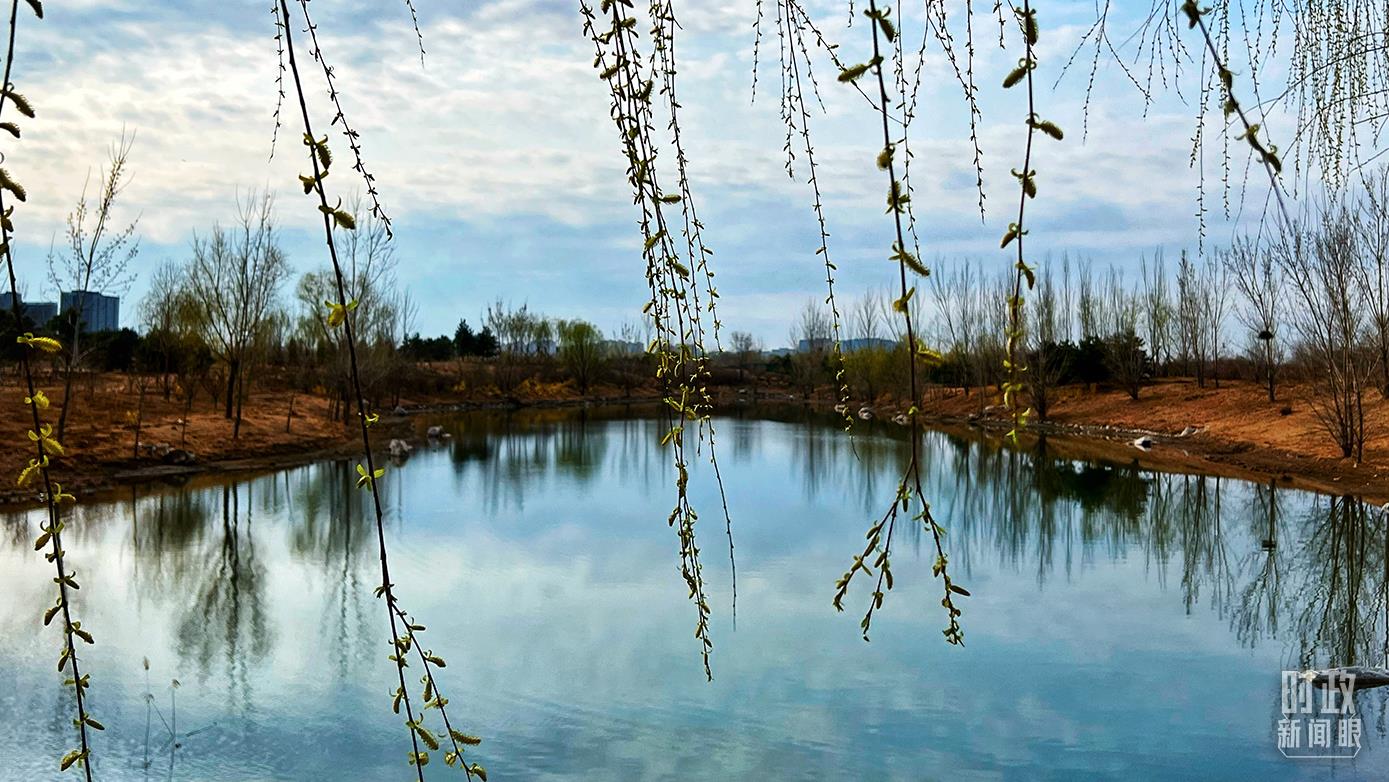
x=1195 y=450
x=100 y=479
x=1196 y=453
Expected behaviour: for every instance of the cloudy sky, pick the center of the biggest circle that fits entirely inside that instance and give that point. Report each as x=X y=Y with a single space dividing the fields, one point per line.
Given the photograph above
x=500 y=167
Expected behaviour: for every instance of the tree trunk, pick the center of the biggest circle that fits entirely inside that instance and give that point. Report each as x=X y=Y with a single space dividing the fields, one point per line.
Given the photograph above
x=240 y=397
x=233 y=374
x=139 y=420
x=69 y=364
x=1384 y=367
x=187 y=411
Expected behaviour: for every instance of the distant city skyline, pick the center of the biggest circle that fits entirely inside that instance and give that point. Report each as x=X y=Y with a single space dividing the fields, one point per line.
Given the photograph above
x=99 y=312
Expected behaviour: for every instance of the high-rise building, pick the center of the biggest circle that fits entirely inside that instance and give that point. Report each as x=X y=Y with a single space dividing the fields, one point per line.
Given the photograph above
x=39 y=312
x=98 y=312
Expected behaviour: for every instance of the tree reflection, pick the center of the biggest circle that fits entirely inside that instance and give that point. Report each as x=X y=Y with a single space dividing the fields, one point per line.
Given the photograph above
x=225 y=618
x=1339 y=604
x=1281 y=566
x=1255 y=615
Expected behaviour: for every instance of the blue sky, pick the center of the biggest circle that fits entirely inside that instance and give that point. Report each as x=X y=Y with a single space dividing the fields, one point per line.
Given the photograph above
x=500 y=166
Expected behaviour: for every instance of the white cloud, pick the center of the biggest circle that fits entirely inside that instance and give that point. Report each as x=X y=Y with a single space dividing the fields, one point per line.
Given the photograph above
x=508 y=119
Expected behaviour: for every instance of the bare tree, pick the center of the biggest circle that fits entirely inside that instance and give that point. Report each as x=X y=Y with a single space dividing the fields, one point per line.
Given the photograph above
x=745 y=351
x=1188 y=315
x=1255 y=276
x=233 y=277
x=1158 y=314
x=1320 y=262
x=811 y=341
x=632 y=356
x=1048 y=363
x=164 y=316
x=381 y=319
x=1065 y=331
x=1088 y=304
x=1202 y=301
x=958 y=296
x=1215 y=304
x=1374 y=270
x=869 y=316
x=1123 y=348
x=95 y=257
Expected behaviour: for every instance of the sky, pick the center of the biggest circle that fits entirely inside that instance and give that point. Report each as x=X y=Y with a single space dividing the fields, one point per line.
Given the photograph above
x=500 y=167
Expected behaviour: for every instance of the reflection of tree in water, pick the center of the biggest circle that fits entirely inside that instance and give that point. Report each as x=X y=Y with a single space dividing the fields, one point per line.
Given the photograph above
x=1029 y=507
x=1255 y=614
x=332 y=532
x=166 y=535
x=829 y=461
x=515 y=453
x=1283 y=566
x=1201 y=543
x=15 y=530
x=226 y=617
x=1235 y=546
x=1339 y=604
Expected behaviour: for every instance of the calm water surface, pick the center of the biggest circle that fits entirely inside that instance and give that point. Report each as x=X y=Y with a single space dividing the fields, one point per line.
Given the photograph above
x=1124 y=624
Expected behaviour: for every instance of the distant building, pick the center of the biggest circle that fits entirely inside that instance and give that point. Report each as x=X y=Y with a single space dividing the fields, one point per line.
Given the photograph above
x=846 y=346
x=542 y=346
x=98 y=311
x=618 y=347
x=851 y=345
x=39 y=312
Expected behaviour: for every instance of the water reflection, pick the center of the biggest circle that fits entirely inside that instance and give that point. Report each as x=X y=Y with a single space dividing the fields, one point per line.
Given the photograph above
x=534 y=544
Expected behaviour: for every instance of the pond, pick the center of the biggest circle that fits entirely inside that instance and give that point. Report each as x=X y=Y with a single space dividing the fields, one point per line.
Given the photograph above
x=1124 y=624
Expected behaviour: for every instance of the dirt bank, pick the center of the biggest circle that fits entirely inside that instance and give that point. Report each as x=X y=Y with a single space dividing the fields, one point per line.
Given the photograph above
x=278 y=429
x=1233 y=430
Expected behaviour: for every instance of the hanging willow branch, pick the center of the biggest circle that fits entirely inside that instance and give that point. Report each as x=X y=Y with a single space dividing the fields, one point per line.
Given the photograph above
x=662 y=13
x=404 y=631
x=340 y=118
x=1015 y=362
x=1336 y=89
x=675 y=309
x=1266 y=153
x=45 y=447
x=792 y=24
x=910 y=491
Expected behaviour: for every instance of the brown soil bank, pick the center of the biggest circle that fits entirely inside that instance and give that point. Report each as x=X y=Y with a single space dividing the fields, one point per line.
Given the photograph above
x=277 y=429
x=1237 y=431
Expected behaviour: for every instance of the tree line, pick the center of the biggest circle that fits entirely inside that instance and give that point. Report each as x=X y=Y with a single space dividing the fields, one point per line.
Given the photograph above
x=218 y=322
x=1306 y=302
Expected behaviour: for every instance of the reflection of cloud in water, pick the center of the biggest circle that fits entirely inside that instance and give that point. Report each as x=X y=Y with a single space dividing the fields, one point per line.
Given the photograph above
x=534 y=548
